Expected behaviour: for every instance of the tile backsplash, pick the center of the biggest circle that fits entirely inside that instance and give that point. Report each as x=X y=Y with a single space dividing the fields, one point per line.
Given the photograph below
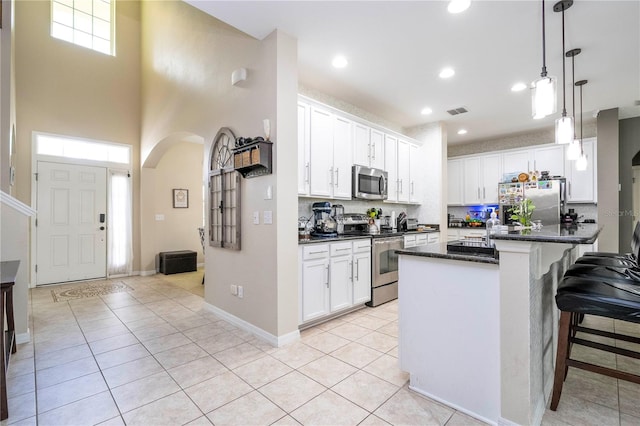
x=357 y=206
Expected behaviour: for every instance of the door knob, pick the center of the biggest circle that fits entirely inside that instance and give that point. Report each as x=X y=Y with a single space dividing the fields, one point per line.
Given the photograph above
x=102 y=228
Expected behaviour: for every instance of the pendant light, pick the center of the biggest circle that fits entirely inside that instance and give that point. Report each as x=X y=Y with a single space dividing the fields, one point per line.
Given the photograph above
x=543 y=90
x=564 y=124
x=573 y=150
x=581 y=162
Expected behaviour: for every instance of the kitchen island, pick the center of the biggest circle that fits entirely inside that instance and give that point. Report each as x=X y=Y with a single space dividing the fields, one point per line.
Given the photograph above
x=480 y=334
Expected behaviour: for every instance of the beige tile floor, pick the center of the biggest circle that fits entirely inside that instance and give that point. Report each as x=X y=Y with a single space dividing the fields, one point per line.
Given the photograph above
x=154 y=356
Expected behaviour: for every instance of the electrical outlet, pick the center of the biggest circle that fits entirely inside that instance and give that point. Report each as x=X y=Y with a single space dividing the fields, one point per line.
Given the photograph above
x=256 y=218
x=234 y=290
x=240 y=292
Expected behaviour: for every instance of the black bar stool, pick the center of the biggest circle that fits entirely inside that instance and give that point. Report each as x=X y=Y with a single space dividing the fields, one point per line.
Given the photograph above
x=618 y=299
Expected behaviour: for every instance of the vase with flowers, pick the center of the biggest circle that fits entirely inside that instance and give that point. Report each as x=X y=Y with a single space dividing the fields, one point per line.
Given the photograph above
x=374 y=215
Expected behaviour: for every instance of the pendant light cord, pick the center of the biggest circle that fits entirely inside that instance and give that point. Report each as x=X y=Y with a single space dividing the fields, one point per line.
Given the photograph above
x=544 y=49
x=564 y=84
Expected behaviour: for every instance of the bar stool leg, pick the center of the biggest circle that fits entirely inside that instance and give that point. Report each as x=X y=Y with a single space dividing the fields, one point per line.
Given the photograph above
x=561 y=358
x=10 y=323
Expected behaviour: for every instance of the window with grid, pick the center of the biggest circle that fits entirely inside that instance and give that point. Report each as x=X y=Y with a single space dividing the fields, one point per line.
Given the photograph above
x=87 y=23
x=224 y=194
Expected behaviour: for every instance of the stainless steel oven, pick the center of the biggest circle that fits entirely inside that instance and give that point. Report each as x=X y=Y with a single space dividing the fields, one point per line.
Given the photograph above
x=385 y=269
x=368 y=183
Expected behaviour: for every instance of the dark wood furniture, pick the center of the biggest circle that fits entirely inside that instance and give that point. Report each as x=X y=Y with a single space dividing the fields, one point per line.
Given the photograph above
x=175 y=262
x=8 y=271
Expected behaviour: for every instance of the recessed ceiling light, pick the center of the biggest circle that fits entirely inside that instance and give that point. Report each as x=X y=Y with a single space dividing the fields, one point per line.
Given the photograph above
x=457 y=6
x=447 y=72
x=462 y=132
x=518 y=87
x=426 y=111
x=339 y=62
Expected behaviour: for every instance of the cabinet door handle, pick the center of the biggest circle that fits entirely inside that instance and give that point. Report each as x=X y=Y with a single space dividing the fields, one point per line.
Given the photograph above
x=412 y=187
x=307 y=172
x=357 y=278
x=369 y=154
x=328 y=274
x=484 y=192
x=318 y=252
x=373 y=150
x=478 y=193
x=337 y=176
x=351 y=277
x=343 y=249
x=569 y=189
x=330 y=175
x=401 y=186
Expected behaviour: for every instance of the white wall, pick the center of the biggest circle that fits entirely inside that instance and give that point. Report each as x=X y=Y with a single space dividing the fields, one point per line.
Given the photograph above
x=179 y=168
x=187 y=61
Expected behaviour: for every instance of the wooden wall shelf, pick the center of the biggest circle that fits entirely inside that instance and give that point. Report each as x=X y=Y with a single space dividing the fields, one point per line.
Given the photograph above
x=254 y=159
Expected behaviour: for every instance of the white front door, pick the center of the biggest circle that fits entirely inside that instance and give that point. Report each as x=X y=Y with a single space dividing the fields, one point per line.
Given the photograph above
x=71 y=223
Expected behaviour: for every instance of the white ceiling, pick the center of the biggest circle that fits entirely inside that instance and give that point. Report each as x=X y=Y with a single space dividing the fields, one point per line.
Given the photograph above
x=396 y=49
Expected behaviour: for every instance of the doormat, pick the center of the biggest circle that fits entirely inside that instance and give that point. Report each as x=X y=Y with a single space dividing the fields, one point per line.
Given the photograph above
x=80 y=291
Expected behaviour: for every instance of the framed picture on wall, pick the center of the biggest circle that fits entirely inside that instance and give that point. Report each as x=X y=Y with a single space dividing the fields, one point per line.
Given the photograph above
x=180 y=198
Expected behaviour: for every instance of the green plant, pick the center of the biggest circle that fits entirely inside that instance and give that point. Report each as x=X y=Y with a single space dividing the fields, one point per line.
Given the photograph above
x=374 y=213
x=522 y=212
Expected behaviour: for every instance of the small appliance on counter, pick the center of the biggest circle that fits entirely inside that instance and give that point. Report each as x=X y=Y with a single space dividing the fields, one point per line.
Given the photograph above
x=337 y=211
x=407 y=223
x=324 y=225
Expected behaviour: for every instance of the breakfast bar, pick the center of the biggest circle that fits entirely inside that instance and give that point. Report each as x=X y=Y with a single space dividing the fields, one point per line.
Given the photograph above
x=479 y=332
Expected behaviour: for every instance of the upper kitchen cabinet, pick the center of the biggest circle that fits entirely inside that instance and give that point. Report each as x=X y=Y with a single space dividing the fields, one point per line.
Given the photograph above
x=516 y=161
x=415 y=172
x=549 y=158
x=304 y=149
x=368 y=146
x=403 y=167
x=582 y=184
x=330 y=155
x=480 y=179
x=455 y=173
x=391 y=166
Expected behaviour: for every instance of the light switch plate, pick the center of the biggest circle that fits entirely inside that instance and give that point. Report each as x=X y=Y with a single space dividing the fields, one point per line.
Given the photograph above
x=268 y=217
x=159 y=217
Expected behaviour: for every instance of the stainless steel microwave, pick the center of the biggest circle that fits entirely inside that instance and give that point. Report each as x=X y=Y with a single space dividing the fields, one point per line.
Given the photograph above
x=368 y=183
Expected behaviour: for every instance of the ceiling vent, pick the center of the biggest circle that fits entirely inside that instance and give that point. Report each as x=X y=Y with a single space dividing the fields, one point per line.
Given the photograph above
x=457 y=111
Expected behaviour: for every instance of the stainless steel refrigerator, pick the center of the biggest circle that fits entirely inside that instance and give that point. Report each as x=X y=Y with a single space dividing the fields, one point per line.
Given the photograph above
x=548 y=197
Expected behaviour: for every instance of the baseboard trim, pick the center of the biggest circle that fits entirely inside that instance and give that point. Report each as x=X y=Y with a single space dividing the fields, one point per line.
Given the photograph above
x=23 y=337
x=454 y=406
x=147 y=273
x=277 y=341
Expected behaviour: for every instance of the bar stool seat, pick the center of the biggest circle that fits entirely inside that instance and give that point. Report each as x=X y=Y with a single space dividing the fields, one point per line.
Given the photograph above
x=603 y=272
x=618 y=299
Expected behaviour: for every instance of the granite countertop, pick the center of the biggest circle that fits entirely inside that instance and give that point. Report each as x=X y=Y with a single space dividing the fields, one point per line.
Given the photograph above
x=581 y=233
x=440 y=251
x=334 y=239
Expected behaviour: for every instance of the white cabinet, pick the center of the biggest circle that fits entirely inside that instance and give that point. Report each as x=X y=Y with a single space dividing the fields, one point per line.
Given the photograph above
x=402 y=184
x=333 y=277
x=409 y=241
x=368 y=146
x=582 y=184
x=361 y=271
x=340 y=280
x=549 y=158
x=433 y=238
x=321 y=135
x=403 y=167
x=481 y=177
x=314 y=284
x=342 y=158
x=516 y=161
x=330 y=155
x=455 y=173
x=416 y=173
x=377 y=149
x=303 y=149
x=391 y=166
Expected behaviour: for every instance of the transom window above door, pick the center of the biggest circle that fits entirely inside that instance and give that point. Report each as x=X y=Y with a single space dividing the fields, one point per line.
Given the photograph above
x=87 y=23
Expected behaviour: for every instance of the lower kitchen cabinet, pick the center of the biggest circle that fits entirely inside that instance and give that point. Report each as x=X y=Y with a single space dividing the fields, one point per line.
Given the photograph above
x=333 y=277
x=415 y=240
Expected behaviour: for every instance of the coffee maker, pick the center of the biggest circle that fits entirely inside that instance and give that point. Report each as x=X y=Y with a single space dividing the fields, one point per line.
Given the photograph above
x=324 y=225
